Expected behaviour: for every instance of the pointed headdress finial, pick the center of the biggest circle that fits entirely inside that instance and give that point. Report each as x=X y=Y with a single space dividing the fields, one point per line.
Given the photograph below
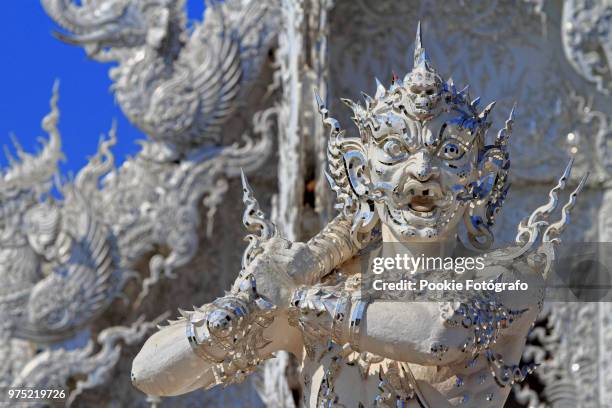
x=421 y=59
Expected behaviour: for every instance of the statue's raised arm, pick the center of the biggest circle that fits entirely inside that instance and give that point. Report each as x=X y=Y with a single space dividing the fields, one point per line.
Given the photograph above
x=420 y=166
x=224 y=341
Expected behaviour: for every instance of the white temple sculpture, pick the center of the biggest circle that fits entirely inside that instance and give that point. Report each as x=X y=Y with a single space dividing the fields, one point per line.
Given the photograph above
x=422 y=163
x=73 y=312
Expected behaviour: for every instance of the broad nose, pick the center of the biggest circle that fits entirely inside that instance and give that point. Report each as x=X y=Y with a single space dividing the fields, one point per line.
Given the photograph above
x=422 y=167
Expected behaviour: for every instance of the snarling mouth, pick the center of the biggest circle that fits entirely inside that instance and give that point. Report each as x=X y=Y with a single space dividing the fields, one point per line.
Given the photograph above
x=417 y=200
x=422 y=199
x=420 y=208
x=422 y=205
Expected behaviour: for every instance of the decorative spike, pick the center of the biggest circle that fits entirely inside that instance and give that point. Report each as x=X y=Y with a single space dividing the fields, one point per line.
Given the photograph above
x=255 y=221
x=18 y=149
x=485 y=112
x=380 y=89
x=544 y=211
x=566 y=172
x=418 y=42
x=554 y=230
x=421 y=60
x=9 y=156
x=504 y=134
x=475 y=102
x=246 y=188
x=349 y=103
x=368 y=99
x=320 y=104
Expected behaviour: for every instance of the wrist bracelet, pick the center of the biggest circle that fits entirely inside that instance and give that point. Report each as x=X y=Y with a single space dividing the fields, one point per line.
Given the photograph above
x=199 y=347
x=343 y=307
x=355 y=323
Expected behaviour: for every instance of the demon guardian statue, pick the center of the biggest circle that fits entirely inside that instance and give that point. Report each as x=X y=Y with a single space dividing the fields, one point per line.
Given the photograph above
x=420 y=166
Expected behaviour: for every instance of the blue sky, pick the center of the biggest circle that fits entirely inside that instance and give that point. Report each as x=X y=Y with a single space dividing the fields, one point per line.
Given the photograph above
x=31 y=59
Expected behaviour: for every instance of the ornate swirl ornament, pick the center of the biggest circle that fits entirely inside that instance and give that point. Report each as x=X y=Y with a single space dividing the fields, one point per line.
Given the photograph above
x=233 y=325
x=67 y=257
x=178 y=88
x=587 y=40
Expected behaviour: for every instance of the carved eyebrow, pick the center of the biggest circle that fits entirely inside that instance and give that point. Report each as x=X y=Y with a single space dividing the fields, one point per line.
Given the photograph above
x=461 y=137
x=378 y=142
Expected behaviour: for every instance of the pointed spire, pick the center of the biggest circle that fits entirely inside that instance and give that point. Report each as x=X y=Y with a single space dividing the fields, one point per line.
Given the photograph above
x=321 y=105
x=245 y=184
x=421 y=60
x=485 y=112
x=319 y=100
x=418 y=42
x=18 y=148
x=369 y=101
x=349 y=103
x=504 y=133
x=380 y=89
x=511 y=116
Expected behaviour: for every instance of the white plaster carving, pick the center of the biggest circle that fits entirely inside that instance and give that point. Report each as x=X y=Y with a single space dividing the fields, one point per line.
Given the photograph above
x=557 y=67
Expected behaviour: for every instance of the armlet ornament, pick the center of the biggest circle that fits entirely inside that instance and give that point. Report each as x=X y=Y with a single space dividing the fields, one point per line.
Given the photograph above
x=483 y=316
x=322 y=312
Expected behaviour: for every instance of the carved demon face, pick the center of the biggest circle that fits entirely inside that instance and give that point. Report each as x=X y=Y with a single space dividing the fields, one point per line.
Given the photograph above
x=421 y=164
x=423 y=170
x=423 y=94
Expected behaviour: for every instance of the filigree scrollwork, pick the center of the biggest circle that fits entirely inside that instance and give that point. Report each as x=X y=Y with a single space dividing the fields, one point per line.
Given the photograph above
x=178 y=86
x=235 y=323
x=69 y=256
x=587 y=40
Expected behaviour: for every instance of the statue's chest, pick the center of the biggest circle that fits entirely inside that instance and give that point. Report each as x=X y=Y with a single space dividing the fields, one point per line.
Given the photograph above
x=342 y=378
x=339 y=377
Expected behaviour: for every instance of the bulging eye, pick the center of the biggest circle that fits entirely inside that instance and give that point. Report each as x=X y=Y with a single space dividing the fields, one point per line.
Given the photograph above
x=394 y=150
x=451 y=150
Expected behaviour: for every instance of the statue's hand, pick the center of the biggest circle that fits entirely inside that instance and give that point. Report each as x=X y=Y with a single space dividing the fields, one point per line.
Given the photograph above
x=280 y=268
